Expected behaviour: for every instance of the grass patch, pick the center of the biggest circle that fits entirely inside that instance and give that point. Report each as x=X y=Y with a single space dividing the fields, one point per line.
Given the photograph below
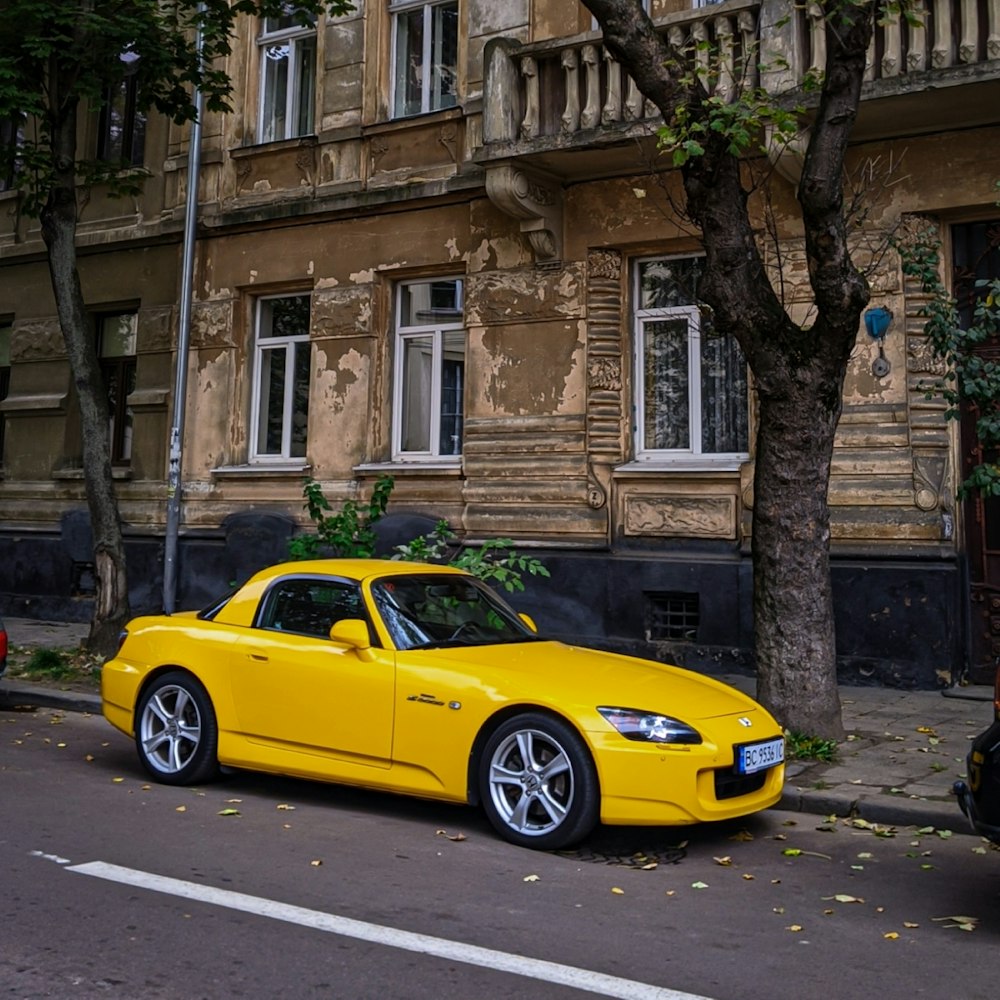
x=801 y=746
x=63 y=666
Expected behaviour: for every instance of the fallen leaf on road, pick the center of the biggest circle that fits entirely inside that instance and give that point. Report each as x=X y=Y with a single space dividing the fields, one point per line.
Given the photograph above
x=284 y=807
x=844 y=898
x=450 y=836
x=117 y=781
x=891 y=935
x=530 y=878
x=927 y=730
x=181 y=809
x=749 y=878
x=316 y=863
x=796 y=852
x=910 y=924
x=89 y=758
x=617 y=891
x=794 y=928
x=962 y=923
x=725 y=862
x=743 y=835
x=229 y=812
x=699 y=885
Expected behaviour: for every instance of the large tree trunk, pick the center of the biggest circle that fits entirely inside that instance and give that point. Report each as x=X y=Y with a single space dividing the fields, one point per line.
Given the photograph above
x=795 y=644
x=58 y=223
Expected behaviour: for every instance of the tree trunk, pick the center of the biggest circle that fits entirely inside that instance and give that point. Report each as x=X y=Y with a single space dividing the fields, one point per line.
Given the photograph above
x=58 y=223
x=795 y=643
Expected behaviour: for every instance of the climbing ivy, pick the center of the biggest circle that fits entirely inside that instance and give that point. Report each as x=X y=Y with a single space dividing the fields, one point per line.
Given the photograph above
x=970 y=380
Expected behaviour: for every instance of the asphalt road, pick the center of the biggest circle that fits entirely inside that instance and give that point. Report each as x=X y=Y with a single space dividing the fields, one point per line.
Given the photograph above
x=270 y=887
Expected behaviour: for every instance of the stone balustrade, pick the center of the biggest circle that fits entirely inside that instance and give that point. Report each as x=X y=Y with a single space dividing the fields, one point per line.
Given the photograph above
x=567 y=87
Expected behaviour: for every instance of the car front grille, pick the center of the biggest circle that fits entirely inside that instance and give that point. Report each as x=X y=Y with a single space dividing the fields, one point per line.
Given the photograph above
x=730 y=785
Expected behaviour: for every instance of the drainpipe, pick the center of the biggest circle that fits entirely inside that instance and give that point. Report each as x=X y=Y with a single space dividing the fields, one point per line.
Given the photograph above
x=174 y=485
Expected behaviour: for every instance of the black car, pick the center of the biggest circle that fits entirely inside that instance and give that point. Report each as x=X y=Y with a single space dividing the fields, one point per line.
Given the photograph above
x=980 y=796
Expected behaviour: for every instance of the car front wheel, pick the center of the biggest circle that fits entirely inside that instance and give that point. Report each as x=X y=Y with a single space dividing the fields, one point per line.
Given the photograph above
x=176 y=735
x=538 y=784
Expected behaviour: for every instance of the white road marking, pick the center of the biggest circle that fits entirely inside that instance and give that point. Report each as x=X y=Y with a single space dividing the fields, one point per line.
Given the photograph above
x=455 y=951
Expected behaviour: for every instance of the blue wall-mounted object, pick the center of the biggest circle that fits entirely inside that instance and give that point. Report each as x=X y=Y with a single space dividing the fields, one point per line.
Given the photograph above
x=877 y=322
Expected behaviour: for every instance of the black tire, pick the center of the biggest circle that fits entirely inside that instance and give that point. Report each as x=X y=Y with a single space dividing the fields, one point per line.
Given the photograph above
x=176 y=733
x=538 y=783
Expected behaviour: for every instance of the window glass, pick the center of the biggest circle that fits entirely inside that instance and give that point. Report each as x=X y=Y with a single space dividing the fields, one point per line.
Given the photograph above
x=117 y=335
x=430 y=370
x=6 y=331
x=282 y=362
x=426 y=56
x=122 y=128
x=287 y=78
x=311 y=606
x=691 y=382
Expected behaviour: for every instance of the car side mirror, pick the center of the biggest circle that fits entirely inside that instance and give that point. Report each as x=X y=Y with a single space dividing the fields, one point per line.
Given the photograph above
x=529 y=621
x=351 y=632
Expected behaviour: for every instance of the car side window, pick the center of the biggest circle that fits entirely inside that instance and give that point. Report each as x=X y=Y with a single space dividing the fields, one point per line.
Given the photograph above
x=310 y=606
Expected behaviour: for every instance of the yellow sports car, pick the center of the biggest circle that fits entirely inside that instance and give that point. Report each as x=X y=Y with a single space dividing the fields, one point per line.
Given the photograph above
x=419 y=679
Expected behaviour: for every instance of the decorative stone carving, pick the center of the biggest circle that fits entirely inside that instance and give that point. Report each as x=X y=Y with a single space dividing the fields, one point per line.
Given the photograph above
x=448 y=137
x=533 y=198
x=211 y=324
x=684 y=516
x=605 y=264
x=604 y=373
x=37 y=341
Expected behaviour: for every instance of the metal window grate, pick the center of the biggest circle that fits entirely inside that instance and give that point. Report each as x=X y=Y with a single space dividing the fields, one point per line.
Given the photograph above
x=672 y=615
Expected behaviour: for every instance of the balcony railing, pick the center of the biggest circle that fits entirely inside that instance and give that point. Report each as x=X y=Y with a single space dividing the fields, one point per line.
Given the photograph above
x=945 y=34
x=552 y=93
x=570 y=86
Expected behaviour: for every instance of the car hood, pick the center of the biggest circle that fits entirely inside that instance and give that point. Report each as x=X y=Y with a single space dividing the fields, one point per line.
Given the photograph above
x=590 y=677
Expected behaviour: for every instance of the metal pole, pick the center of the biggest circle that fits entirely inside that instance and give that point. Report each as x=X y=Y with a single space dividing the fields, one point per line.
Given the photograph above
x=174 y=486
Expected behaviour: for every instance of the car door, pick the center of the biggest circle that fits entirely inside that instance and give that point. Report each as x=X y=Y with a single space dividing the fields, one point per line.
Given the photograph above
x=296 y=690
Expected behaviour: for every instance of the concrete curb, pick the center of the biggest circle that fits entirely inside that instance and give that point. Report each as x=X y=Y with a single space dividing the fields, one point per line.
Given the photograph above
x=15 y=695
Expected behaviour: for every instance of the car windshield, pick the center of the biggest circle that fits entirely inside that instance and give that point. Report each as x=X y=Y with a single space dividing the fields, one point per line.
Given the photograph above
x=423 y=612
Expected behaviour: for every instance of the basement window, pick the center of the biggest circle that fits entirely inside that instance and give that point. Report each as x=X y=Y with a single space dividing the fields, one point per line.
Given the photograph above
x=671 y=615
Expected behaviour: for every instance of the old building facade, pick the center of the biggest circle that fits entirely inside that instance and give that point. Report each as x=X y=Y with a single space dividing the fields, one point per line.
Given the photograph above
x=435 y=240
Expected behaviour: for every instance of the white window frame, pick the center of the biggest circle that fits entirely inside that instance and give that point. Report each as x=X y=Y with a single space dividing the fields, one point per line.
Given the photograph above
x=404 y=333
x=692 y=456
x=293 y=37
x=273 y=343
x=397 y=7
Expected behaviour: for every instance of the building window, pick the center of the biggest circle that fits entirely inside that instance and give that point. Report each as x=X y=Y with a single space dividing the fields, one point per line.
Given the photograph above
x=430 y=370
x=11 y=138
x=287 y=77
x=691 y=383
x=281 y=387
x=425 y=59
x=121 y=136
x=6 y=330
x=116 y=333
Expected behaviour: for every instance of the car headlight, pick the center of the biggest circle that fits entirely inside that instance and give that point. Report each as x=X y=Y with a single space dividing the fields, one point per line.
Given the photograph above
x=649 y=727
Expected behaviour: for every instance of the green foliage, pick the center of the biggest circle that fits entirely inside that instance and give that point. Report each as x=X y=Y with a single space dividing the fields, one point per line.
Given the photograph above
x=348 y=533
x=495 y=562
x=745 y=124
x=47 y=663
x=56 y=54
x=969 y=379
x=801 y=746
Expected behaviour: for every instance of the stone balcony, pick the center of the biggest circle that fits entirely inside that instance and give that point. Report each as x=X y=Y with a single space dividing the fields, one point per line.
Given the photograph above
x=564 y=110
x=546 y=101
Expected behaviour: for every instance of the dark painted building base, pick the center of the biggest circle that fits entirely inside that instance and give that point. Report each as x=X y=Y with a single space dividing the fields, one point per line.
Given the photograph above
x=899 y=622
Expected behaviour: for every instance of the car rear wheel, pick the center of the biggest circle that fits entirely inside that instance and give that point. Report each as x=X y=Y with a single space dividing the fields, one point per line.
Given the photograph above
x=176 y=735
x=538 y=784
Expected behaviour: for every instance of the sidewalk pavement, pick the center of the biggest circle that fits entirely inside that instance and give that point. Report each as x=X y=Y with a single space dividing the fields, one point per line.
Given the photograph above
x=904 y=751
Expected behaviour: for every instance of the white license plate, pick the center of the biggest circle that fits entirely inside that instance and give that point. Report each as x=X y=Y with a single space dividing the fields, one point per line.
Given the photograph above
x=751 y=757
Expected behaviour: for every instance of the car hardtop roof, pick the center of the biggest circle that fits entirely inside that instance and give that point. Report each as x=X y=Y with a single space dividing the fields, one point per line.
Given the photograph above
x=355 y=569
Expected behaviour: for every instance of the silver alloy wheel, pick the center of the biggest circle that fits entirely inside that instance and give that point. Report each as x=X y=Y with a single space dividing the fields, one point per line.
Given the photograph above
x=170 y=729
x=531 y=782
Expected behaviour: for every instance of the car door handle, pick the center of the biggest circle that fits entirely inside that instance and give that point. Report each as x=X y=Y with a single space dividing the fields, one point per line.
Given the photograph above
x=262 y=657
